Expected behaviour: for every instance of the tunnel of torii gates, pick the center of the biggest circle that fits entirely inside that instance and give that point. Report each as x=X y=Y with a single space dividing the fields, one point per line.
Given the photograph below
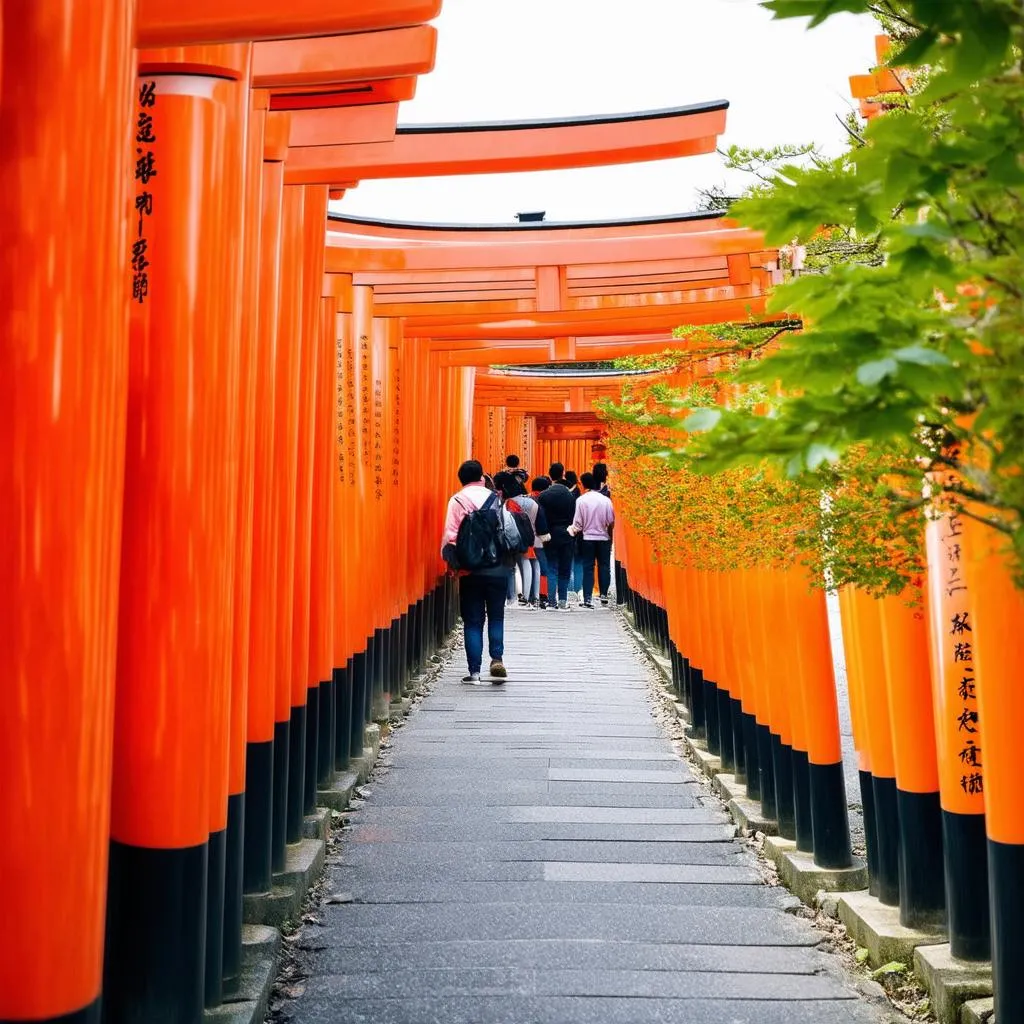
x=226 y=452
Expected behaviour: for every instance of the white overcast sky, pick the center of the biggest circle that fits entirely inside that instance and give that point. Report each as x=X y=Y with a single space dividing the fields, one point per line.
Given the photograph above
x=511 y=59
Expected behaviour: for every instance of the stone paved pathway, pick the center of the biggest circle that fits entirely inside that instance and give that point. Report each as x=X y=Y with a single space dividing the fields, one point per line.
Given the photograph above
x=537 y=854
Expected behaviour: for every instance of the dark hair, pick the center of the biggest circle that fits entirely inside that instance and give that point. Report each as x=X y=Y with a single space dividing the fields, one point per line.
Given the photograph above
x=540 y=483
x=600 y=472
x=508 y=484
x=571 y=479
x=589 y=481
x=469 y=472
x=511 y=461
x=556 y=471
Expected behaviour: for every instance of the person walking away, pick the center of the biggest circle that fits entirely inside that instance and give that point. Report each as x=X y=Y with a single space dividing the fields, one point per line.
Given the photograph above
x=601 y=477
x=559 y=508
x=538 y=486
x=481 y=590
x=529 y=566
x=594 y=521
x=576 y=576
x=508 y=486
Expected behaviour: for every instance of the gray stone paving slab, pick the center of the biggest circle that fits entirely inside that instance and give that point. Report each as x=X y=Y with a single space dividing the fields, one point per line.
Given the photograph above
x=464 y=830
x=434 y=857
x=402 y=890
x=573 y=871
x=618 y=776
x=594 y=1010
x=544 y=981
x=607 y=815
x=561 y=954
x=538 y=854
x=731 y=926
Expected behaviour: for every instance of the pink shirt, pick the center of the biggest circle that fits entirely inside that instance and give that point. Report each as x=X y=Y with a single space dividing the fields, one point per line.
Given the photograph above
x=595 y=516
x=459 y=505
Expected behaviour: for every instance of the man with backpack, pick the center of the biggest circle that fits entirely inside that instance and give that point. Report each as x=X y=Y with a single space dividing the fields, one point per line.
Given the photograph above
x=471 y=546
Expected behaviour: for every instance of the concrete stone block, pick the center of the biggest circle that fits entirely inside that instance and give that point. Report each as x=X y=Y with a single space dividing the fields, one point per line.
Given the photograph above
x=950 y=983
x=745 y=812
x=317 y=824
x=877 y=928
x=340 y=793
x=710 y=764
x=978 y=1011
x=275 y=908
x=261 y=947
x=804 y=878
x=303 y=863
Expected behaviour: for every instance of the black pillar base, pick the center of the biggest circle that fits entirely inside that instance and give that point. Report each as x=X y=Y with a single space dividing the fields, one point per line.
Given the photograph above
x=782 y=765
x=311 y=769
x=343 y=716
x=753 y=760
x=739 y=754
x=711 y=717
x=233 y=892
x=1006 y=871
x=213 y=972
x=296 y=774
x=922 y=875
x=887 y=829
x=698 y=722
x=802 y=802
x=725 y=733
x=967 y=888
x=357 y=720
x=279 y=823
x=325 y=697
x=765 y=764
x=829 y=819
x=156 y=935
x=259 y=813
x=867 y=803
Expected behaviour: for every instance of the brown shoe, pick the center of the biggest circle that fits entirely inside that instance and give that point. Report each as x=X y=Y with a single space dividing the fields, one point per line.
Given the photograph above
x=498 y=673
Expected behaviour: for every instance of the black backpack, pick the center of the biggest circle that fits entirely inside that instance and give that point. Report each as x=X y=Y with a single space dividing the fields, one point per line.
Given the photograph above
x=526 y=537
x=478 y=544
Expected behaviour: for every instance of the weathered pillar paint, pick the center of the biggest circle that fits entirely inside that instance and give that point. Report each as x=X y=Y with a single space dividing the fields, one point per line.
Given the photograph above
x=65 y=112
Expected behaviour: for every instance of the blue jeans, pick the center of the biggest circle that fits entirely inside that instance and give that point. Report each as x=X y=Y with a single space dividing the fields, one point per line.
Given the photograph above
x=576 y=580
x=559 y=569
x=479 y=597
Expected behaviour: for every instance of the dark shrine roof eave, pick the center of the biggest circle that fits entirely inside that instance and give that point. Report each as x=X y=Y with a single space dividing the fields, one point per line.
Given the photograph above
x=337 y=220
x=560 y=122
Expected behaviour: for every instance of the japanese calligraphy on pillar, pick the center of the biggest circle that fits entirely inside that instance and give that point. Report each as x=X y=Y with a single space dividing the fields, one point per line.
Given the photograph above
x=378 y=433
x=340 y=410
x=396 y=417
x=364 y=397
x=351 y=423
x=145 y=171
x=489 y=441
x=959 y=638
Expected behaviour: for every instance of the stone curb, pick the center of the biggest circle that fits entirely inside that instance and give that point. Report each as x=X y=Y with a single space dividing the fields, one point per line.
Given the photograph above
x=804 y=878
x=978 y=1011
x=876 y=928
x=261 y=947
x=266 y=913
x=951 y=983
